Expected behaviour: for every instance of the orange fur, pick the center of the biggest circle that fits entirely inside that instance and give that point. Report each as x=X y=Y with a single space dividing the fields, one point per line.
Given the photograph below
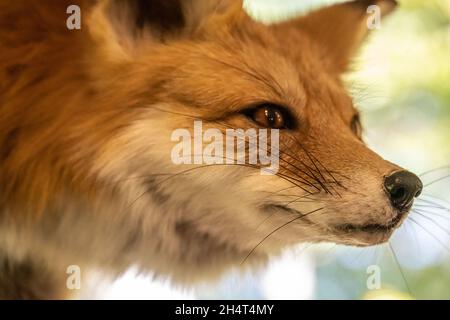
x=76 y=108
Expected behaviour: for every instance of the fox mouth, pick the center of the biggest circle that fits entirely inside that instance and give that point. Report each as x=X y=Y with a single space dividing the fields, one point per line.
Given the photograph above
x=374 y=228
x=368 y=234
x=348 y=227
x=355 y=234
x=369 y=228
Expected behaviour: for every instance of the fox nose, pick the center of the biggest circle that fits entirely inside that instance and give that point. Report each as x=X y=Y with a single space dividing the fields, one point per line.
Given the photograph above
x=402 y=187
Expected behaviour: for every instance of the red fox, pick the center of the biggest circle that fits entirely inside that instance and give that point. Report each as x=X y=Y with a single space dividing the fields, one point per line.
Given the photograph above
x=86 y=175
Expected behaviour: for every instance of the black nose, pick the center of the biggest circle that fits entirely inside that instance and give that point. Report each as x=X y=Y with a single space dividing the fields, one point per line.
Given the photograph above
x=402 y=187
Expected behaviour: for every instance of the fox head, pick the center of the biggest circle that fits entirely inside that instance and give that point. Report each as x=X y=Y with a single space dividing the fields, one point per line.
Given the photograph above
x=86 y=137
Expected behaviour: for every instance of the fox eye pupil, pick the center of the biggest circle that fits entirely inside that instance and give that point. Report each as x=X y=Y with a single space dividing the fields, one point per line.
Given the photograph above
x=269 y=116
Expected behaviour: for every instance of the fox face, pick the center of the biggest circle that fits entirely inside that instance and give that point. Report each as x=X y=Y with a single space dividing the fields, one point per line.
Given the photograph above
x=87 y=176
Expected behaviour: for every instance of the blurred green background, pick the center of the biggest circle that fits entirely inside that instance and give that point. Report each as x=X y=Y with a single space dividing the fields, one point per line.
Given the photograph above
x=401 y=84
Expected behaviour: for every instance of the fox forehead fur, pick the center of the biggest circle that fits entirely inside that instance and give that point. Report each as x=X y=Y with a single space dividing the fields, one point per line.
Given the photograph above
x=86 y=116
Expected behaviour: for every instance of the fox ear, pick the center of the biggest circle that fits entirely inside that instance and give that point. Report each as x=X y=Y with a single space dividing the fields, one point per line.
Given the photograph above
x=126 y=24
x=340 y=29
x=166 y=18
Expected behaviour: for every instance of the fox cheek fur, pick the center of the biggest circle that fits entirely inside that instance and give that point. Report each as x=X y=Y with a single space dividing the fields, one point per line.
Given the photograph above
x=86 y=176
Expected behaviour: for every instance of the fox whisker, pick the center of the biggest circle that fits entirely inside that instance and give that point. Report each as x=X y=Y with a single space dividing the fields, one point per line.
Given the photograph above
x=310 y=174
x=433 y=221
x=429 y=206
x=399 y=267
x=434 y=170
x=277 y=229
x=430 y=234
x=435 y=181
x=433 y=203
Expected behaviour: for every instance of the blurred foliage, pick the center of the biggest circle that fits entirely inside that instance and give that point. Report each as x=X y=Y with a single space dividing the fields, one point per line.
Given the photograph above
x=406 y=68
x=337 y=282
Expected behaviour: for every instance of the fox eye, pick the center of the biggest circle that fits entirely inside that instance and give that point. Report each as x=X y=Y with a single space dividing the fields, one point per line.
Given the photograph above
x=269 y=116
x=355 y=125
